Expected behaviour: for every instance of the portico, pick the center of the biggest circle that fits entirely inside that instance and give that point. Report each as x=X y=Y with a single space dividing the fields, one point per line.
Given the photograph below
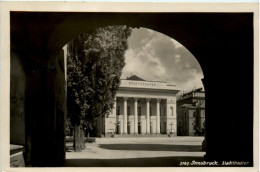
x=142 y=107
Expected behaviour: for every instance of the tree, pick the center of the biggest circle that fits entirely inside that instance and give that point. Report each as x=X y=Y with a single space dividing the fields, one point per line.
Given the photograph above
x=95 y=63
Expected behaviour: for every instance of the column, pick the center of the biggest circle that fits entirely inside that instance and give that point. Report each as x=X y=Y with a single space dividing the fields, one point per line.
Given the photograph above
x=135 y=116
x=125 y=116
x=158 y=116
x=148 y=116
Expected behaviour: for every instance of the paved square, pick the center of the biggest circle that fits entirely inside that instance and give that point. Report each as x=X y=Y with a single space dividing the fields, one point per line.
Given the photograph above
x=136 y=152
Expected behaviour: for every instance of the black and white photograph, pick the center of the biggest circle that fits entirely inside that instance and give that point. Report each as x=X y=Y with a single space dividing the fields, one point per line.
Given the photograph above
x=111 y=85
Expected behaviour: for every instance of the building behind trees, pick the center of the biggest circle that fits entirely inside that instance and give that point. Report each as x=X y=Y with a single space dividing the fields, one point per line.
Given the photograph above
x=191 y=113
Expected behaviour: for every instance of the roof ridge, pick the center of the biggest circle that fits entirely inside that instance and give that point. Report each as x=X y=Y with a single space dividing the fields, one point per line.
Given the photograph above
x=135 y=78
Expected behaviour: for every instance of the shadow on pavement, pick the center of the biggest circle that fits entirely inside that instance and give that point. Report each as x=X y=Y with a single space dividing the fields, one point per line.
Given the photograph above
x=131 y=162
x=153 y=147
x=69 y=149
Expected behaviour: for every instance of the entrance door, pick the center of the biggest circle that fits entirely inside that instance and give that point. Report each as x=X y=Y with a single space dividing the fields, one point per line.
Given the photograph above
x=151 y=128
x=128 y=128
x=118 y=128
x=139 y=128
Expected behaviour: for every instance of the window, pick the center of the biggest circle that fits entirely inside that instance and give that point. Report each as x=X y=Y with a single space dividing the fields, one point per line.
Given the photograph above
x=151 y=111
x=164 y=111
x=128 y=110
x=118 y=110
x=139 y=111
x=171 y=110
x=202 y=114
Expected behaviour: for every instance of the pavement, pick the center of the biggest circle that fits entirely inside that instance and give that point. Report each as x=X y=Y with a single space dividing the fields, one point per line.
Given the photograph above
x=136 y=152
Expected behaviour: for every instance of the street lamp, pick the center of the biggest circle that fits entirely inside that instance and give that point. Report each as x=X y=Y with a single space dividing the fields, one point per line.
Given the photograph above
x=171 y=127
x=115 y=127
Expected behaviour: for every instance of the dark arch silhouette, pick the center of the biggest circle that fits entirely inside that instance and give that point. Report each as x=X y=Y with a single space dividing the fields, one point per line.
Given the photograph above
x=221 y=42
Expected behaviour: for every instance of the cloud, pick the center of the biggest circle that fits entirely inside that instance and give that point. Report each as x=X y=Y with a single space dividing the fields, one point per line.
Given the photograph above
x=156 y=57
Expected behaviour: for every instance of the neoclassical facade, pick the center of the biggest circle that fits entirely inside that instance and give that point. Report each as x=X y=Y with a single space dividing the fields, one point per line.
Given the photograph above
x=141 y=107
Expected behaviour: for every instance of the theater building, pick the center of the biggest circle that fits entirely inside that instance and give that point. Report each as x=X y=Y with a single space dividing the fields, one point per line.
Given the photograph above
x=141 y=107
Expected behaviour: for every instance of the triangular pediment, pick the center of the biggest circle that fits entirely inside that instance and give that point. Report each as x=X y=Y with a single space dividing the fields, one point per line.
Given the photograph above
x=135 y=78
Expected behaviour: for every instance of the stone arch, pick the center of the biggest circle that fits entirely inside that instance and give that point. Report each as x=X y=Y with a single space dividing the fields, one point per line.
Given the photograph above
x=37 y=39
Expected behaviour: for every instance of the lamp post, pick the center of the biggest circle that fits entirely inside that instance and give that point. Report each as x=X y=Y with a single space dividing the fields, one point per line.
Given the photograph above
x=115 y=127
x=171 y=127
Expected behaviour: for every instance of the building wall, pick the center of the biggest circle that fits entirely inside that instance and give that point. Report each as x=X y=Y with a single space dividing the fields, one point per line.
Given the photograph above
x=110 y=124
x=191 y=121
x=202 y=115
x=185 y=120
x=179 y=121
x=153 y=124
x=17 y=101
x=121 y=107
x=186 y=123
x=171 y=115
x=197 y=100
x=131 y=123
x=121 y=123
x=146 y=93
x=142 y=121
x=199 y=94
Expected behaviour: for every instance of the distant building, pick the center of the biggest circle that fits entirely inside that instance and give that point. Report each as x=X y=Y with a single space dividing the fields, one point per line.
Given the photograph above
x=191 y=113
x=141 y=107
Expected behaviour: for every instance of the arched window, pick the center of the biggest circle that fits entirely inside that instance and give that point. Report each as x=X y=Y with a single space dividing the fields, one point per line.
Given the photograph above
x=172 y=111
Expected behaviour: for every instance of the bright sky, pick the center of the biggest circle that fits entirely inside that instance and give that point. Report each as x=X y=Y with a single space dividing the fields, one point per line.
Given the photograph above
x=156 y=57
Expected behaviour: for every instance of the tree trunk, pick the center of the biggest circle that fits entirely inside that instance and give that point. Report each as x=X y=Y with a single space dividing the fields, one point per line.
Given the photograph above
x=78 y=141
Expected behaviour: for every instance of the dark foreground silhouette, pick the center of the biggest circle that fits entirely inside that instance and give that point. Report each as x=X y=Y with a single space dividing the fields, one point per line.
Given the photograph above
x=131 y=162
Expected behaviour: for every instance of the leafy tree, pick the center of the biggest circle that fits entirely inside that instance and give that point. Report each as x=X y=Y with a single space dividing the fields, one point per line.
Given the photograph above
x=95 y=63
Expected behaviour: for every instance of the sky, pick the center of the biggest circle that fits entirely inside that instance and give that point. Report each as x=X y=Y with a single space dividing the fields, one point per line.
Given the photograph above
x=156 y=57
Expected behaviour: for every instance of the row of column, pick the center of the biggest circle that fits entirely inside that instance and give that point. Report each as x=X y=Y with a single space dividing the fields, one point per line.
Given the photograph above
x=136 y=115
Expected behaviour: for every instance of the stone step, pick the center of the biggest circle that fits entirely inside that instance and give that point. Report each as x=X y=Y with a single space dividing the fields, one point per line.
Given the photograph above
x=137 y=135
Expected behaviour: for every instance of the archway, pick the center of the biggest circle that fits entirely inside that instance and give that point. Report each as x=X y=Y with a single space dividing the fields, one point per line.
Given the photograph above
x=37 y=44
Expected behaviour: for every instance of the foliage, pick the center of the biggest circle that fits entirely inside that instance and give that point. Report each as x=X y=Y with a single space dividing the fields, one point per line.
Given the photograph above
x=95 y=62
